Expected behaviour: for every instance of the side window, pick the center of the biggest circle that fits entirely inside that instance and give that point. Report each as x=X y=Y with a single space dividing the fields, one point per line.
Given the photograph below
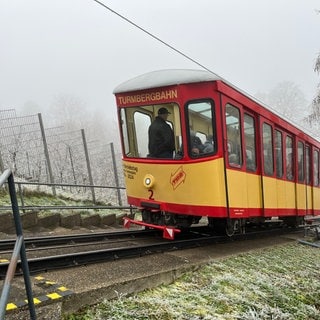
x=308 y=165
x=300 y=161
x=202 y=130
x=316 y=167
x=267 y=149
x=124 y=130
x=289 y=158
x=279 y=153
x=142 y=122
x=249 y=139
x=233 y=135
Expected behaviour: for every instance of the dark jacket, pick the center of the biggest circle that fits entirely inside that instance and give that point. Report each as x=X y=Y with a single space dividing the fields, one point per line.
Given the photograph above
x=161 y=139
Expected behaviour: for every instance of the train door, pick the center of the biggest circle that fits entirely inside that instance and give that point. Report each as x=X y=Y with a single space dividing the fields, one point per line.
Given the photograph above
x=269 y=183
x=279 y=166
x=301 y=188
x=309 y=195
x=284 y=165
x=236 y=182
x=290 y=172
x=250 y=142
x=316 y=182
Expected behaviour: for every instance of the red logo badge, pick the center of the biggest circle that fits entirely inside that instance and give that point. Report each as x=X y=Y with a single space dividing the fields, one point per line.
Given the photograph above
x=177 y=178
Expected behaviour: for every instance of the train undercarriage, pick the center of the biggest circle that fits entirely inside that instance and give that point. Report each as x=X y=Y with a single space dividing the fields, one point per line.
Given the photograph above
x=221 y=226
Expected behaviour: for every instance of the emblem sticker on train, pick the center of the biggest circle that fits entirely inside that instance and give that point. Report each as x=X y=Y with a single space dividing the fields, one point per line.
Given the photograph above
x=177 y=178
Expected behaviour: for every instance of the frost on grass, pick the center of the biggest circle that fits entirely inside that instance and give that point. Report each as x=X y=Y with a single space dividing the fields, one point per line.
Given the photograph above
x=278 y=283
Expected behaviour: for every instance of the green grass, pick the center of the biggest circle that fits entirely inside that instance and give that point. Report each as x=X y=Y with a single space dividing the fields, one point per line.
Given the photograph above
x=280 y=283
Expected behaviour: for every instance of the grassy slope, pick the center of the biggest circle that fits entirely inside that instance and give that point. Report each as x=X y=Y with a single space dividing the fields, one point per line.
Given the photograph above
x=36 y=198
x=279 y=283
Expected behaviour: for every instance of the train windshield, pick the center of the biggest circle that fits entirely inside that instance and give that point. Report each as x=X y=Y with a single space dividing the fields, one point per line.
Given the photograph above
x=165 y=135
x=154 y=131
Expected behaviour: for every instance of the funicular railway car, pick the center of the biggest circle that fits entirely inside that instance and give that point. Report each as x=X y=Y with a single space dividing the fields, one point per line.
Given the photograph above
x=258 y=165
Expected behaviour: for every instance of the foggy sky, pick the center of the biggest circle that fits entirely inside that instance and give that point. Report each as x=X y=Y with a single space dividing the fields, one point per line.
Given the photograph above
x=78 y=48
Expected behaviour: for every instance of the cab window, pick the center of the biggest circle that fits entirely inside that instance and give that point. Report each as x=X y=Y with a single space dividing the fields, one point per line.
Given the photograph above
x=135 y=122
x=142 y=122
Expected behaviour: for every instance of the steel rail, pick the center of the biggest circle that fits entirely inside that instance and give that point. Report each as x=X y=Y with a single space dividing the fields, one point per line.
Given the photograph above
x=7 y=208
x=7 y=244
x=43 y=264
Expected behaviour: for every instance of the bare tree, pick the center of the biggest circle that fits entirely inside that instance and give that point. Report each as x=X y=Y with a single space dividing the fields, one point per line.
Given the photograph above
x=69 y=111
x=315 y=111
x=287 y=99
x=313 y=119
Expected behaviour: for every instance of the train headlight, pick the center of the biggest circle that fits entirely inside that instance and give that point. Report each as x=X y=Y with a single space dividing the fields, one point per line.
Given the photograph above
x=148 y=181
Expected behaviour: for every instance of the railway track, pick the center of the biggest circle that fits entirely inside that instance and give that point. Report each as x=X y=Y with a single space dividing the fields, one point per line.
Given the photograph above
x=57 y=252
x=45 y=241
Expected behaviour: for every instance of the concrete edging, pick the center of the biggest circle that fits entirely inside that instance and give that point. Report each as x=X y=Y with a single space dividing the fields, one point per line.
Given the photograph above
x=33 y=219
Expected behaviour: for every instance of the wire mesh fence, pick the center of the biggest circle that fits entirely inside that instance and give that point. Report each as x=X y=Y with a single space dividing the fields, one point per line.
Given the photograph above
x=56 y=155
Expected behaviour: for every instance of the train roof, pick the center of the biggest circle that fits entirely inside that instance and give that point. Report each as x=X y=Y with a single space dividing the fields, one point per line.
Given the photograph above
x=162 y=78
x=168 y=77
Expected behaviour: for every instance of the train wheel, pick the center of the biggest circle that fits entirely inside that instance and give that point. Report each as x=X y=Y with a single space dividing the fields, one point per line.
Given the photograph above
x=231 y=227
x=226 y=226
x=217 y=225
x=169 y=219
x=293 y=222
x=146 y=216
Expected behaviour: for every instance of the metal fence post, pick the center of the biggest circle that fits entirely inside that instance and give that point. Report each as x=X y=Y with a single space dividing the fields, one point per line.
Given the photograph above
x=46 y=153
x=116 y=177
x=72 y=166
x=20 y=246
x=21 y=196
x=1 y=163
x=88 y=164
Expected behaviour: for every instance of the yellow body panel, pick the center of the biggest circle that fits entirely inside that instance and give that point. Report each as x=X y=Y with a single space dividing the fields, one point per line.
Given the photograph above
x=269 y=192
x=244 y=189
x=205 y=184
x=301 y=196
x=316 y=198
x=285 y=195
x=309 y=197
x=194 y=183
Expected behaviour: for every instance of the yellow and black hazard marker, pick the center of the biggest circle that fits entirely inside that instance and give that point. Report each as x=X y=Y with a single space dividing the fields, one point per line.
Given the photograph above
x=56 y=291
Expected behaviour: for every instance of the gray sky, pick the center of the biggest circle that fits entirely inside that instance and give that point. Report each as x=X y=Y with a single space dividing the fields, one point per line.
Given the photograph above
x=78 y=48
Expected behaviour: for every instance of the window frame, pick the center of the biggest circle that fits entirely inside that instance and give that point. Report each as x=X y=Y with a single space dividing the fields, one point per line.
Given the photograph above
x=278 y=153
x=289 y=166
x=234 y=136
x=251 y=164
x=315 y=161
x=267 y=146
x=201 y=132
x=300 y=156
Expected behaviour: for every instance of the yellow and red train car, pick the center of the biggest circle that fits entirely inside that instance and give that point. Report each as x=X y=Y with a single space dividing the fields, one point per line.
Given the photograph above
x=258 y=166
